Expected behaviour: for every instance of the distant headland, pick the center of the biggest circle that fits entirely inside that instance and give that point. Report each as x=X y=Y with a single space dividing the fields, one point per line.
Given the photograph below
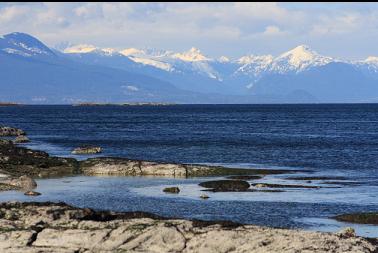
x=9 y=104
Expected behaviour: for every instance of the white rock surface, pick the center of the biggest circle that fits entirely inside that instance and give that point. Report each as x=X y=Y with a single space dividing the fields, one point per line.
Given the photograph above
x=60 y=228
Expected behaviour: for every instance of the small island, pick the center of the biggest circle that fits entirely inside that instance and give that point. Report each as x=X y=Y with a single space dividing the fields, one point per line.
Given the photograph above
x=125 y=104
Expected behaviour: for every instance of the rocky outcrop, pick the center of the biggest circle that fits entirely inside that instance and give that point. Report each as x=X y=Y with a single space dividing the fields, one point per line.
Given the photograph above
x=226 y=185
x=7 y=187
x=24 y=182
x=87 y=150
x=21 y=139
x=18 y=161
x=10 y=131
x=175 y=190
x=362 y=218
x=52 y=227
x=121 y=166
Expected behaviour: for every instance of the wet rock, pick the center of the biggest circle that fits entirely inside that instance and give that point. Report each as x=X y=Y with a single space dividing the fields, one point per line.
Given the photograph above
x=7 y=187
x=263 y=185
x=23 y=182
x=171 y=190
x=10 y=131
x=21 y=139
x=86 y=150
x=347 y=232
x=361 y=218
x=245 y=177
x=17 y=161
x=226 y=185
x=204 y=196
x=32 y=193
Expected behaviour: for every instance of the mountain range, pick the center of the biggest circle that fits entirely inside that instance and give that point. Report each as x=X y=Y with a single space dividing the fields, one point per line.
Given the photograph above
x=31 y=72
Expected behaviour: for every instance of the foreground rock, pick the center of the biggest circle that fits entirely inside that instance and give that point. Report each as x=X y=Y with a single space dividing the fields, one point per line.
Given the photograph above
x=87 y=150
x=10 y=131
x=362 y=218
x=226 y=185
x=17 y=161
x=127 y=167
x=49 y=227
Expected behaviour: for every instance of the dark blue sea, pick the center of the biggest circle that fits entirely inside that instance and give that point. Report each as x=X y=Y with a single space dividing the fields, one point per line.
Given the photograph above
x=321 y=139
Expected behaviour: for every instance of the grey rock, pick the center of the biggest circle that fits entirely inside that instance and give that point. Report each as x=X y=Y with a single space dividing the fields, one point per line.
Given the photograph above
x=57 y=227
x=21 y=139
x=23 y=182
x=32 y=193
x=10 y=131
x=87 y=150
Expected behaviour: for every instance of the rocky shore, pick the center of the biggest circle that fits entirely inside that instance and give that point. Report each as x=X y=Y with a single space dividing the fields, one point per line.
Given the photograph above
x=17 y=161
x=57 y=227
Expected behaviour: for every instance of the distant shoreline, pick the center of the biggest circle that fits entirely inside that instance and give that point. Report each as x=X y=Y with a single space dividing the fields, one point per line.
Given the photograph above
x=124 y=104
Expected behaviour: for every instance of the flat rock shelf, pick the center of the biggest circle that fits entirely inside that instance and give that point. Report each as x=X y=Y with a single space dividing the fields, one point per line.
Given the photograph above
x=57 y=227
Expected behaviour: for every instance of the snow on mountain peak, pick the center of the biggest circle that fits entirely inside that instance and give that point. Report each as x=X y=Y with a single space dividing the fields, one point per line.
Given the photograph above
x=254 y=64
x=79 y=49
x=192 y=55
x=249 y=59
x=371 y=59
x=109 y=51
x=298 y=59
x=23 y=44
x=132 y=52
x=299 y=54
x=223 y=59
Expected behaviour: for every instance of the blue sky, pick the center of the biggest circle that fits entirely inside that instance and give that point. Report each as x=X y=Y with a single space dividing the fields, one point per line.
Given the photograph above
x=343 y=30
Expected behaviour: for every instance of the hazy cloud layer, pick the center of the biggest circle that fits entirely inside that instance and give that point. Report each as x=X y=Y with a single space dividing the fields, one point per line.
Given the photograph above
x=234 y=29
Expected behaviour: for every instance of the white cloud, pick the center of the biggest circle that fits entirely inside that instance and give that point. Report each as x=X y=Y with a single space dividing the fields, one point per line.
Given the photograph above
x=217 y=28
x=272 y=30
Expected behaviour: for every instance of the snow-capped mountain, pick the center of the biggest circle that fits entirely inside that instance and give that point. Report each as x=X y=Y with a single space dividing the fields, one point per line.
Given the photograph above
x=86 y=71
x=254 y=65
x=299 y=59
x=296 y=60
x=24 y=45
x=370 y=64
x=30 y=72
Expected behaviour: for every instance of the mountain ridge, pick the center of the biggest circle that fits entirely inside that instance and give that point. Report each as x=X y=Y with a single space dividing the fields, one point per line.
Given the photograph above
x=191 y=76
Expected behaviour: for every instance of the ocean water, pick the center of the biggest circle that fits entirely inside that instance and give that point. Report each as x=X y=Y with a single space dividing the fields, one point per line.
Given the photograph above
x=324 y=139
